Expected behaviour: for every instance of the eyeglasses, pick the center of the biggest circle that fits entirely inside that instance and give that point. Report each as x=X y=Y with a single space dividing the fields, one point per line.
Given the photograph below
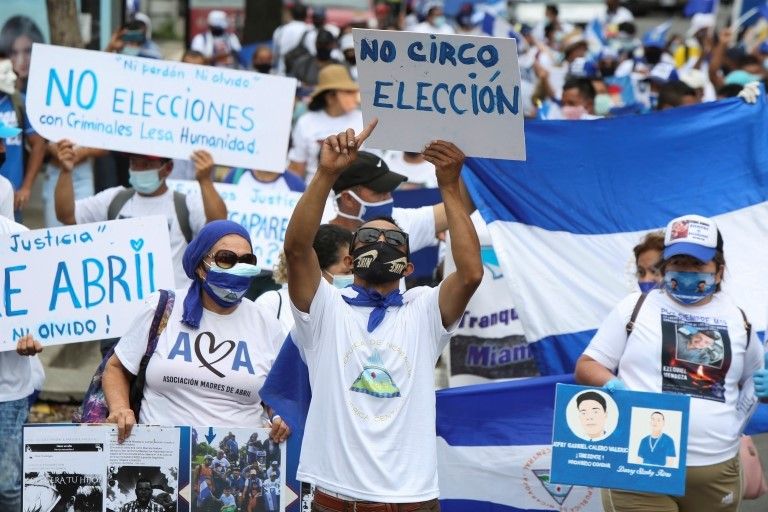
x=393 y=237
x=227 y=259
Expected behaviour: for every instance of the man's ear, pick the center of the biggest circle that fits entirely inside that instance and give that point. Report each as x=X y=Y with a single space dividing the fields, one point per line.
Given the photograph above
x=409 y=268
x=167 y=169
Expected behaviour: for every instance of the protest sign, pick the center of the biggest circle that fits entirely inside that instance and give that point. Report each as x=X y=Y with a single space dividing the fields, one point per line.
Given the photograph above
x=623 y=440
x=423 y=87
x=264 y=213
x=85 y=468
x=79 y=283
x=163 y=108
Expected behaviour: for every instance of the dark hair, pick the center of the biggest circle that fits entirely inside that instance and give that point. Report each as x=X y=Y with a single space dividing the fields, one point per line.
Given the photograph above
x=17 y=26
x=385 y=218
x=591 y=395
x=195 y=54
x=672 y=93
x=135 y=25
x=730 y=90
x=324 y=39
x=651 y=241
x=552 y=8
x=659 y=413
x=652 y=54
x=627 y=27
x=319 y=101
x=299 y=11
x=143 y=480
x=748 y=60
x=328 y=240
x=584 y=85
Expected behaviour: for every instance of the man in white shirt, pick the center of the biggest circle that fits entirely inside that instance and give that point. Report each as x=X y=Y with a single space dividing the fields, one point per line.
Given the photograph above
x=289 y=35
x=615 y=14
x=217 y=44
x=435 y=22
x=370 y=350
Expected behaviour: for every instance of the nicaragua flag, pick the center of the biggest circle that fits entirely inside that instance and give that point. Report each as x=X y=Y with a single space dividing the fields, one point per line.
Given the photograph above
x=564 y=222
x=496 y=26
x=595 y=36
x=699 y=6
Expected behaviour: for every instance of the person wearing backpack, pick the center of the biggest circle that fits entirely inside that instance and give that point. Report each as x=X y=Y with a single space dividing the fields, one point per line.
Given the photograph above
x=149 y=195
x=654 y=342
x=290 y=37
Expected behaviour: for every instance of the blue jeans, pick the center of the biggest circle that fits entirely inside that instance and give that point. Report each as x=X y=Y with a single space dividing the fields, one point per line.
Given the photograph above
x=13 y=414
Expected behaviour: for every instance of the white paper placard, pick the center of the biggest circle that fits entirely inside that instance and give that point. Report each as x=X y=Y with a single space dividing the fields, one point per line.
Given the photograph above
x=163 y=108
x=80 y=283
x=424 y=87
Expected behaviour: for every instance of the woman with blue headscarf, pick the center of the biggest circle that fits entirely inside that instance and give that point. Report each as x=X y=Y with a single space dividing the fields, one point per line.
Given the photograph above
x=215 y=351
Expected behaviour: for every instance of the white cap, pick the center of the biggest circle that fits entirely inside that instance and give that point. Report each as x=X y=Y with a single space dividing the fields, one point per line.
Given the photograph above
x=347 y=42
x=217 y=19
x=691 y=235
x=693 y=78
x=701 y=20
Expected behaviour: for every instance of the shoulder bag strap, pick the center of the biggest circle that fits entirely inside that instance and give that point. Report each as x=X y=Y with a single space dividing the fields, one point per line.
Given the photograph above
x=635 y=312
x=117 y=203
x=182 y=214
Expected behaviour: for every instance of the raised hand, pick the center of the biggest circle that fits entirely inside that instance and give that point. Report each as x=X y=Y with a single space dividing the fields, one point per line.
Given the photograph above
x=65 y=152
x=338 y=151
x=447 y=159
x=203 y=164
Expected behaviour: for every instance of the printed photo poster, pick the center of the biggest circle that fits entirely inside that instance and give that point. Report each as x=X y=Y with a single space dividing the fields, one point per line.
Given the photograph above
x=695 y=355
x=22 y=23
x=622 y=440
x=236 y=469
x=63 y=468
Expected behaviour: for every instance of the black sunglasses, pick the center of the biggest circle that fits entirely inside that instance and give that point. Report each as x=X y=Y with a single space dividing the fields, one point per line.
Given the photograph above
x=227 y=259
x=393 y=237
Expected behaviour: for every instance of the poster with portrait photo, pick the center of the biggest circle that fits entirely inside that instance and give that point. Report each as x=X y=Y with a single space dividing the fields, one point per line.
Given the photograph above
x=236 y=469
x=22 y=23
x=695 y=356
x=654 y=437
x=598 y=439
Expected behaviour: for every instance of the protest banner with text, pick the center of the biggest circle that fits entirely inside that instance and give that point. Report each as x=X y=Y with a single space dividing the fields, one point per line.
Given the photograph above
x=164 y=108
x=424 y=87
x=80 y=283
x=623 y=440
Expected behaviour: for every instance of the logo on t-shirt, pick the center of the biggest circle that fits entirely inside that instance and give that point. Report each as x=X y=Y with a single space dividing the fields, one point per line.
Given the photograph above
x=375 y=379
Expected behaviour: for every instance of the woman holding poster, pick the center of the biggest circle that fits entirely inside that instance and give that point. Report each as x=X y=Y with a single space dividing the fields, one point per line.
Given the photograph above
x=215 y=351
x=664 y=353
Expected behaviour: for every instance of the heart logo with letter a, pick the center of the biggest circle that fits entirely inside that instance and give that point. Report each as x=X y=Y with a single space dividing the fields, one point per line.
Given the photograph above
x=212 y=350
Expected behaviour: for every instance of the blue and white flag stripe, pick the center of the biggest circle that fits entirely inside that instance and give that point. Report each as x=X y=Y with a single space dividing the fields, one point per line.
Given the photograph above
x=564 y=222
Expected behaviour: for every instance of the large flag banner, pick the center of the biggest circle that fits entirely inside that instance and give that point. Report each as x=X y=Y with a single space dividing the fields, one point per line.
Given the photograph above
x=164 y=108
x=621 y=440
x=565 y=221
x=424 y=87
x=81 y=283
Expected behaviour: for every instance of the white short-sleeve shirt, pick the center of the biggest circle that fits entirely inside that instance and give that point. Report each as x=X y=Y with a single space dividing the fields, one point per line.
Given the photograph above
x=372 y=393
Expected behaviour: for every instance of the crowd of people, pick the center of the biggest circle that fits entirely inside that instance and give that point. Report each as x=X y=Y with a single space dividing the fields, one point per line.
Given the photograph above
x=340 y=290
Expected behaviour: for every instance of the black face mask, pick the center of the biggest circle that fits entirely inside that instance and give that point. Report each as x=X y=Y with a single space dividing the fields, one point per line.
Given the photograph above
x=323 y=54
x=379 y=263
x=217 y=31
x=263 y=68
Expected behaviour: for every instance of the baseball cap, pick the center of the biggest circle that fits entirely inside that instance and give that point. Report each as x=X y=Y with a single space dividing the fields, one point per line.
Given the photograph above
x=217 y=19
x=370 y=171
x=662 y=73
x=692 y=235
x=8 y=131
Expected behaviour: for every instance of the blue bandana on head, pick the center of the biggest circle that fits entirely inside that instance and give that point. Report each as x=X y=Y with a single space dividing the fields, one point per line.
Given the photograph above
x=375 y=300
x=198 y=249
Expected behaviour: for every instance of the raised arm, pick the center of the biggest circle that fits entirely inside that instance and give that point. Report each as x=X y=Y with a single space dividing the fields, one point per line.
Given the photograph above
x=64 y=194
x=337 y=152
x=457 y=288
x=214 y=206
x=441 y=219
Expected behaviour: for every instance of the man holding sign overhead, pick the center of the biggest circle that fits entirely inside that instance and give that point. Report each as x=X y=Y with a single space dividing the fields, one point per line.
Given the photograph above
x=370 y=349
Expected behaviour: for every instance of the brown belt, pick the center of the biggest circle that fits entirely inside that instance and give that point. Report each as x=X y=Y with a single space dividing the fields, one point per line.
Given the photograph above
x=339 y=505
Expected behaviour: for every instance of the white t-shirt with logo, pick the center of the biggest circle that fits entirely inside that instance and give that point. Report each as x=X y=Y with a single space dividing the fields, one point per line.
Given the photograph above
x=19 y=375
x=95 y=209
x=372 y=394
x=208 y=376
x=674 y=348
x=310 y=131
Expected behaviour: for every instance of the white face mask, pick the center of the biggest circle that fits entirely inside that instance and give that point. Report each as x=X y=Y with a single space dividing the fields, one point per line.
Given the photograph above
x=368 y=210
x=341 y=280
x=145 y=182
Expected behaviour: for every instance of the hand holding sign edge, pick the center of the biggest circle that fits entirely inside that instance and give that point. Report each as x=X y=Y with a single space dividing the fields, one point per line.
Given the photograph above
x=340 y=150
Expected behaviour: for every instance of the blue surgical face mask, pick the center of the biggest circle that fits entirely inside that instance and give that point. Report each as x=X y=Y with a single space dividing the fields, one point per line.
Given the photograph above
x=228 y=286
x=132 y=51
x=341 y=280
x=439 y=21
x=646 y=286
x=145 y=182
x=690 y=287
x=369 y=211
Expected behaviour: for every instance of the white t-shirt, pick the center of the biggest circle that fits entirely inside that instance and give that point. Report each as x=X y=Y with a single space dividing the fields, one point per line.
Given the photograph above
x=427 y=28
x=6 y=198
x=372 y=394
x=669 y=343
x=419 y=223
x=277 y=303
x=95 y=209
x=312 y=128
x=208 y=376
x=622 y=15
x=209 y=45
x=19 y=375
x=422 y=173
x=286 y=38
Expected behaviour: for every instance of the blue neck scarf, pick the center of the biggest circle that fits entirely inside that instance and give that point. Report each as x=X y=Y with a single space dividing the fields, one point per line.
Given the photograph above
x=197 y=249
x=373 y=299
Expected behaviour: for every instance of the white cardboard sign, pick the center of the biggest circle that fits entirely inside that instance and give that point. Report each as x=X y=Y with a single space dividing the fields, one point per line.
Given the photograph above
x=163 y=108
x=80 y=283
x=423 y=87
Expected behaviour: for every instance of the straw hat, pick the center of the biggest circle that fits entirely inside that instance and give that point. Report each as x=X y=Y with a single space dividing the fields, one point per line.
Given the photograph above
x=334 y=77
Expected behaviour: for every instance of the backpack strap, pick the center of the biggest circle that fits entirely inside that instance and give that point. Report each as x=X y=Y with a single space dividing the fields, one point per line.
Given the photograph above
x=747 y=325
x=182 y=214
x=159 y=322
x=279 y=304
x=117 y=203
x=635 y=312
